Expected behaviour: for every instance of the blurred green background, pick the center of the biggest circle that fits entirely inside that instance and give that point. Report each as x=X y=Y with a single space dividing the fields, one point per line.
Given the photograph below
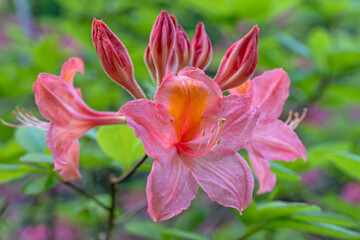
x=316 y=41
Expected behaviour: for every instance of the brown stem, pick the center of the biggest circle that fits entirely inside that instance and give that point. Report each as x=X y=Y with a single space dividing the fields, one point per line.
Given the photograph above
x=118 y=180
x=114 y=182
x=86 y=194
x=111 y=218
x=3 y=208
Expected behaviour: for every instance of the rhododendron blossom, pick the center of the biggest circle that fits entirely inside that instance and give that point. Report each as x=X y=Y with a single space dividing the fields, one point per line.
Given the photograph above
x=69 y=116
x=272 y=139
x=193 y=133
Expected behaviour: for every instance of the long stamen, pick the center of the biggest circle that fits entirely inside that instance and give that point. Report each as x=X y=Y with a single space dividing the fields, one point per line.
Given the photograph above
x=212 y=142
x=26 y=120
x=294 y=122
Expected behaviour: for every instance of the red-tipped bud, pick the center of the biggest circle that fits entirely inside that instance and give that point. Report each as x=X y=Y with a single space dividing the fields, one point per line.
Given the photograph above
x=162 y=40
x=150 y=63
x=173 y=18
x=239 y=61
x=114 y=58
x=182 y=48
x=201 y=48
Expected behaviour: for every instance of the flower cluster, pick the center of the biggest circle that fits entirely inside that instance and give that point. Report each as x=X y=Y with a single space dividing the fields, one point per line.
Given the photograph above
x=192 y=131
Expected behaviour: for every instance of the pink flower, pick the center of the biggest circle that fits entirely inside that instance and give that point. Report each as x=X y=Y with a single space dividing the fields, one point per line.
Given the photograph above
x=193 y=133
x=239 y=61
x=351 y=192
x=37 y=232
x=70 y=118
x=272 y=139
x=114 y=58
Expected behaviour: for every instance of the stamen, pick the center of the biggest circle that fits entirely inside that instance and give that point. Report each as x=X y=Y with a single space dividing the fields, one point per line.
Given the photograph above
x=212 y=142
x=26 y=120
x=294 y=122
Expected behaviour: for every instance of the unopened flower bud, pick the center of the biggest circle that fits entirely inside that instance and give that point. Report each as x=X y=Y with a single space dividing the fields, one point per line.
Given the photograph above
x=114 y=58
x=173 y=18
x=201 y=48
x=162 y=40
x=182 y=48
x=239 y=61
x=150 y=63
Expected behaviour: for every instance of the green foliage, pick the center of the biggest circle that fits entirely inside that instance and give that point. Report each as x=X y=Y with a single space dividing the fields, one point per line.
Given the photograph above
x=120 y=143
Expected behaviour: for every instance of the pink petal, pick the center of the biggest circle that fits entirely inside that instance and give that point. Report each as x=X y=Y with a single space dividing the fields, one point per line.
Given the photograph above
x=192 y=99
x=65 y=149
x=227 y=180
x=267 y=179
x=270 y=91
x=170 y=189
x=240 y=121
x=277 y=141
x=70 y=68
x=152 y=124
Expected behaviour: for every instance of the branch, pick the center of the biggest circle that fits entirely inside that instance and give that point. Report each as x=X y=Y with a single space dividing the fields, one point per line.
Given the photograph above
x=118 y=180
x=114 y=182
x=86 y=194
x=3 y=208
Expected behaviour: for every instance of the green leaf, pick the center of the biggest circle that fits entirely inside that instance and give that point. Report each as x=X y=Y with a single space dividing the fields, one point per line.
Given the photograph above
x=189 y=220
x=178 y=233
x=347 y=162
x=120 y=143
x=39 y=185
x=144 y=229
x=230 y=231
x=31 y=139
x=283 y=172
x=326 y=217
x=37 y=158
x=323 y=229
x=319 y=155
x=278 y=209
x=10 y=172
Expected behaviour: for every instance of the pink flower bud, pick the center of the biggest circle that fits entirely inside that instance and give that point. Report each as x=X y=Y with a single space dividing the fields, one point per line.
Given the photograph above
x=239 y=61
x=150 y=63
x=173 y=18
x=162 y=40
x=201 y=48
x=114 y=58
x=182 y=48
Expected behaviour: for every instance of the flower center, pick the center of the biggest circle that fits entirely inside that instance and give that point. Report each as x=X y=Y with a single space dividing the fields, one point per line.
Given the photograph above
x=208 y=141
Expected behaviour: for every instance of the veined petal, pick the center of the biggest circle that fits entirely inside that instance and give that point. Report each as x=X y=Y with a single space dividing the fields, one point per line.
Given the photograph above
x=269 y=92
x=227 y=180
x=170 y=189
x=152 y=124
x=266 y=179
x=70 y=68
x=277 y=141
x=240 y=122
x=192 y=99
x=64 y=146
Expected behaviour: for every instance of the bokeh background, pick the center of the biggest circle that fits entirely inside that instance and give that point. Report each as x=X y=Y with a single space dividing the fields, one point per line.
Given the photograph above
x=316 y=41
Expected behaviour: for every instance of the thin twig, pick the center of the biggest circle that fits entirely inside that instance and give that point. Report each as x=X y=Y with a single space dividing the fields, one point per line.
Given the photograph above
x=114 y=182
x=3 y=208
x=110 y=224
x=86 y=194
x=118 y=180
